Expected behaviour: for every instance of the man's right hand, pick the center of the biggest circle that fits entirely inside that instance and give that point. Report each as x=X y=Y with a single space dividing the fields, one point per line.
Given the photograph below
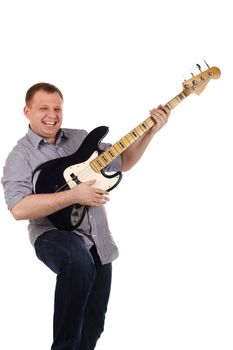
x=86 y=194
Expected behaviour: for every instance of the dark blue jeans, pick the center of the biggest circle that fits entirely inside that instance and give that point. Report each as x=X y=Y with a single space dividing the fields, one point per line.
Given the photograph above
x=82 y=289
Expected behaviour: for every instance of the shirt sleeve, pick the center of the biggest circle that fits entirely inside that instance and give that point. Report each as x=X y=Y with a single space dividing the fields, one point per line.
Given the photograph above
x=17 y=178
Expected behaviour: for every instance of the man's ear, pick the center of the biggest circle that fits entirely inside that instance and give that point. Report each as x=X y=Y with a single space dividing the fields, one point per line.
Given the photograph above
x=26 y=111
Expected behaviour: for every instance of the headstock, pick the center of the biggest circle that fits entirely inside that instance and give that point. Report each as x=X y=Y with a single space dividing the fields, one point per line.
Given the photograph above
x=198 y=82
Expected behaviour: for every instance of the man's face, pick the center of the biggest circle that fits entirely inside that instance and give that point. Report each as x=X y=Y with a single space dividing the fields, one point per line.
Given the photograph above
x=45 y=114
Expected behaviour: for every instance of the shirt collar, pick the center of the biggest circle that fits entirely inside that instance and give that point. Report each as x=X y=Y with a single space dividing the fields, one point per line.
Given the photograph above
x=37 y=140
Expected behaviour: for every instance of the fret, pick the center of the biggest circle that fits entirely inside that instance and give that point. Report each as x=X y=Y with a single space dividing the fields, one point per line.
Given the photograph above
x=171 y=104
x=99 y=162
x=111 y=152
x=134 y=134
x=104 y=157
x=117 y=148
x=150 y=122
x=130 y=139
x=168 y=106
x=144 y=126
x=121 y=144
x=126 y=141
x=94 y=166
x=181 y=96
x=143 y=131
x=175 y=103
x=176 y=100
x=140 y=132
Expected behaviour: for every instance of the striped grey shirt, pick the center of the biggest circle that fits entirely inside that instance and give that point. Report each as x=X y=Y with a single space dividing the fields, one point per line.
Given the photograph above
x=31 y=151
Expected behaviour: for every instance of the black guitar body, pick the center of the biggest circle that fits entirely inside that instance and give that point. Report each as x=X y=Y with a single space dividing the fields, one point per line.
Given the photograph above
x=50 y=179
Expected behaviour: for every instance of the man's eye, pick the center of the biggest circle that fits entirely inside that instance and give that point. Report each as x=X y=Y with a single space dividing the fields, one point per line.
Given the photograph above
x=43 y=109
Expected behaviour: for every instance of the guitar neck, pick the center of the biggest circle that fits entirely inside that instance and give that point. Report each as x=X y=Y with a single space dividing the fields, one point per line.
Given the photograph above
x=120 y=146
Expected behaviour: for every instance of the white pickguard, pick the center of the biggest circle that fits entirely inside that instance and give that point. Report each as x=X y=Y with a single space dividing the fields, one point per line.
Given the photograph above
x=85 y=173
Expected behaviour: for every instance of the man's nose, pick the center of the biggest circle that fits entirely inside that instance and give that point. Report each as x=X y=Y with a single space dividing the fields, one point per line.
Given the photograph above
x=52 y=113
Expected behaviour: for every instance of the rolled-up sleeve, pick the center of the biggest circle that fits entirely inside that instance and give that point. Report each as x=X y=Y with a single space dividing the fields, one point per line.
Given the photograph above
x=17 y=178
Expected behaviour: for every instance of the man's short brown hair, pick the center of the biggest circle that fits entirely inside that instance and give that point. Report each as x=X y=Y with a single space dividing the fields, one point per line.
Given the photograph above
x=41 y=86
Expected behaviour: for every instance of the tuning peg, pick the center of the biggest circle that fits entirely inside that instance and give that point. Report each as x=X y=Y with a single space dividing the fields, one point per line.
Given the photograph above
x=199 y=67
x=207 y=64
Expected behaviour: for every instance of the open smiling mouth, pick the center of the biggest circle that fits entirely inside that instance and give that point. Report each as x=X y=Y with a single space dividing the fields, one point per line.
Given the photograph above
x=49 y=123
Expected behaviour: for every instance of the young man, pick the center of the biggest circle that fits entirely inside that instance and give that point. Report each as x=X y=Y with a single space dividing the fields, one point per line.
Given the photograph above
x=81 y=258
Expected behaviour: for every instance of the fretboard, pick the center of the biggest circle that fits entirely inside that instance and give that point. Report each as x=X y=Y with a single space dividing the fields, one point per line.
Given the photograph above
x=115 y=150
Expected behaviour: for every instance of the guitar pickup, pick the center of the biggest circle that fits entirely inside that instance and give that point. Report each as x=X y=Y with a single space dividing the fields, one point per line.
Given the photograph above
x=75 y=178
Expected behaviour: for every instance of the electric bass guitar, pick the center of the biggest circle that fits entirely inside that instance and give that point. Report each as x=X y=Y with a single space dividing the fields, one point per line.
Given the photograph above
x=89 y=162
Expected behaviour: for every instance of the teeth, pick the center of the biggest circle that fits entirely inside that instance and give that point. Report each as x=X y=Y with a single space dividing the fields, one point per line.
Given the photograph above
x=50 y=123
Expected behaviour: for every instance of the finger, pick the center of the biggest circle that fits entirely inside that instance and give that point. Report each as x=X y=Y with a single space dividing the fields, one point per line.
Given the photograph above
x=163 y=112
x=157 y=112
x=102 y=197
x=165 y=109
x=159 y=120
x=160 y=108
x=162 y=119
x=158 y=115
x=100 y=191
x=98 y=202
x=90 y=182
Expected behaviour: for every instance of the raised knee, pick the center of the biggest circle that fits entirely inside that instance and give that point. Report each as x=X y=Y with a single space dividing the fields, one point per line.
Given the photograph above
x=82 y=265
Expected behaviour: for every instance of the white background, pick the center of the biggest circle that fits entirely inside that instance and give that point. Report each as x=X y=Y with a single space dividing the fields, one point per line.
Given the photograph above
x=171 y=216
